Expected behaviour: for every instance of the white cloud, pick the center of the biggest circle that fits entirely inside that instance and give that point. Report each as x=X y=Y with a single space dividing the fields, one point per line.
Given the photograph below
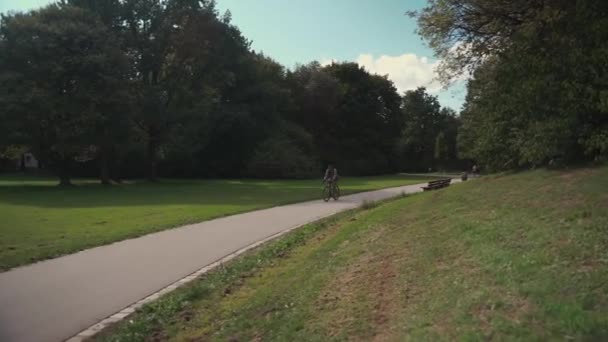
x=407 y=71
x=410 y=71
x=329 y=61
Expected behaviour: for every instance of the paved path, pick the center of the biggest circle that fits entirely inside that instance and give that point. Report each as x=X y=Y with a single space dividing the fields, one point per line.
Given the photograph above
x=55 y=299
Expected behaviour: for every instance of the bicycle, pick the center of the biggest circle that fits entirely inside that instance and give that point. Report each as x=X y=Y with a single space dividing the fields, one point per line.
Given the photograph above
x=330 y=190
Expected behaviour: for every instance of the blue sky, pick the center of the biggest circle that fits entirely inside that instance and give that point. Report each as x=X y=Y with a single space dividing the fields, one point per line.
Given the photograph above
x=375 y=33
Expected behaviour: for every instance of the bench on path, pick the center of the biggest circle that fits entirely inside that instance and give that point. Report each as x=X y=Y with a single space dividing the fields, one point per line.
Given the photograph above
x=437 y=184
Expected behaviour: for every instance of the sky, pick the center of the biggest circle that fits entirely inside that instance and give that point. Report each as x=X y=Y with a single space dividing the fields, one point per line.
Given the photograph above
x=374 y=33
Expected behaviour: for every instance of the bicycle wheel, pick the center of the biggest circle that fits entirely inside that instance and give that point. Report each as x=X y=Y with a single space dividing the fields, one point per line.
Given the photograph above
x=326 y=193
x=336 y=192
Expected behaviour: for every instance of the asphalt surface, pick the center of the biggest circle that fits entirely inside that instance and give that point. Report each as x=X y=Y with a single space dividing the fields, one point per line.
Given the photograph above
x=55 y=299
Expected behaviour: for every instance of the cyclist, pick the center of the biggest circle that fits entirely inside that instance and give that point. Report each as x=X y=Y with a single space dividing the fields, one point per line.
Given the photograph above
x=331 y=174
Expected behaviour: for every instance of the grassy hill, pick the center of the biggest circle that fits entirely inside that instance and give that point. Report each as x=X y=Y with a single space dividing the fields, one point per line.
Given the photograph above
x=511 y=257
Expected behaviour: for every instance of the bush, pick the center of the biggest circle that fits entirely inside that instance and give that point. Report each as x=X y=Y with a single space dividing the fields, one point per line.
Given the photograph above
x=279 y=157
x=371 y=163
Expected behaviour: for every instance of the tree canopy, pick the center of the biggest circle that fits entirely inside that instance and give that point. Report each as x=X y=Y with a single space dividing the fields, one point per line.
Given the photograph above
x=131 y=88
x=59 y=66
x=537 y=95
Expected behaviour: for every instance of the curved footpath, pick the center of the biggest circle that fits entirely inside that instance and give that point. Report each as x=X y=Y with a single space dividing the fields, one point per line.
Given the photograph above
x=56 y=299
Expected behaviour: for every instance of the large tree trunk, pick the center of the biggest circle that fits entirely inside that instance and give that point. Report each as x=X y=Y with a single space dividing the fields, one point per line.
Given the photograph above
x=115 y=165
x=104 y=167
x=22 y=163
x=152 y=159
x=64 y=172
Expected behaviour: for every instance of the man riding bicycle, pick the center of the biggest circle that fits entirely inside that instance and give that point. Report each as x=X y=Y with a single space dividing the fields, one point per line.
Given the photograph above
x=330 y=180
x=331 y=174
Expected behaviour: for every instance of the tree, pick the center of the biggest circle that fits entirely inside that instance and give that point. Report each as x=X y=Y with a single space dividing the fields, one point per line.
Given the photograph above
x=109 y=12
x=287 y=153
x=113 y=125
x=351 y=114
x=56 y=64
x=364 y=131
x=421 y=112
x=537 y=96
x=464 y=33
x=252 y=110
x=183 y=58
x=440 y=148
x=428 y=137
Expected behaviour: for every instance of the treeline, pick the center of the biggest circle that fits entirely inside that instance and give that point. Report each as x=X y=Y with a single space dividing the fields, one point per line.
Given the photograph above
x=539 y=89
x=172 y=88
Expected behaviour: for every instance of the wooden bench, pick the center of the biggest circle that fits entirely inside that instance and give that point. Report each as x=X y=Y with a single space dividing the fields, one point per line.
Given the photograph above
x=437 y=184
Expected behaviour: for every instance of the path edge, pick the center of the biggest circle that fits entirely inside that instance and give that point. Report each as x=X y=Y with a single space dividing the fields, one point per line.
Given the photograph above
x=98 y=327
x=91 y=331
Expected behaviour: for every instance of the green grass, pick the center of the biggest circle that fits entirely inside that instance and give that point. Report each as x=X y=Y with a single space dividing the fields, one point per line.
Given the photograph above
x=40 y=220
x=517 y=257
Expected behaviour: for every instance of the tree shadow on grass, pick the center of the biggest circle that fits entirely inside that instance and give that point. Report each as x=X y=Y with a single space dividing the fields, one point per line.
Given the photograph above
x=247 y=192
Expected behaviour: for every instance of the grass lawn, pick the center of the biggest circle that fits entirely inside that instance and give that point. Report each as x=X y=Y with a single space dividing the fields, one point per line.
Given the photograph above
x=40 y=220
x=517 y=257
